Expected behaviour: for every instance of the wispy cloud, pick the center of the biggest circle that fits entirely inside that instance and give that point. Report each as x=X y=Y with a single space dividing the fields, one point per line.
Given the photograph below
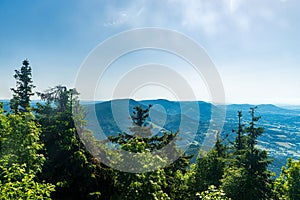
x=123 y=15
x=121 y=18
x=209 y=17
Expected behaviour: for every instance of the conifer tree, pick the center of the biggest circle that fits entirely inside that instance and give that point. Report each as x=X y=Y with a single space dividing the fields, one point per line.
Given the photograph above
x=161 y=183
x=23 y=92
x=239 y=143
x=247 y=177
x=69 y=164
x=139 y=121
x=209 y=168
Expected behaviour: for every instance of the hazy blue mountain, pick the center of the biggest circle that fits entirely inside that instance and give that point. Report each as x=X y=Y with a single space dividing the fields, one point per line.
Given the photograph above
x=291 y=107
x=282 y=126
x=170 y=107
x=6 y=106
x=192 y=109
x=114 y=117
x=263 y=108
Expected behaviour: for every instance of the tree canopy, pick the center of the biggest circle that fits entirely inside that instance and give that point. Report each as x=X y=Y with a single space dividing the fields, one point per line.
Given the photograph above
x=43 y=155
x=23 y=91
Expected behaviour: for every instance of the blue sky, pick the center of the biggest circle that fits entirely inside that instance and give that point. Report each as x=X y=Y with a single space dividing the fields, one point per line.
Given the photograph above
x=254 y=44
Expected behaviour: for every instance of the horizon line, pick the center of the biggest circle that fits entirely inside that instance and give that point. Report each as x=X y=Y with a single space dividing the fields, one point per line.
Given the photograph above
x=156 y=99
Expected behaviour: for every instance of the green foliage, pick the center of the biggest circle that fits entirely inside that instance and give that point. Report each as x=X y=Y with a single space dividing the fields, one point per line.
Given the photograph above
x=234 y=183
x=239 y=144
x=252 y=131
x=142 y=186
x=61 y=97
x=20 y=158
x=139 y=121
x=21 y=95
x=213 y=194
x=18 y=183
x=247 y=176
x=209 y=171
x=287 y=185
x=178 y=186
x=45 y=156
x=69 y=165
x=140 y=116
x=209 y=168
x=160 y=184
x=20 y=139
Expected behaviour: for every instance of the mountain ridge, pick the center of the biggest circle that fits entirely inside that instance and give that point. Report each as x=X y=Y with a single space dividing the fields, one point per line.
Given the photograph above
x=282 y=131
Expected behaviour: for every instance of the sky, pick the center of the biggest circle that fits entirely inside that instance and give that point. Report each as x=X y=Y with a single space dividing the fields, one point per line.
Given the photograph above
x=254 y=44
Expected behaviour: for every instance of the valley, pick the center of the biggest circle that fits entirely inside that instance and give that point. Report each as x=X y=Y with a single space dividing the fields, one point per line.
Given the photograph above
x=281 y=137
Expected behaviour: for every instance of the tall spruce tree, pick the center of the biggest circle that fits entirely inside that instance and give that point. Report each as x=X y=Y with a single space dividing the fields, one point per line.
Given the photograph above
x=247 y=177
x=140 y=126
x=21 y=97
x=162 y=183
x=239 y=140
x=240 y=143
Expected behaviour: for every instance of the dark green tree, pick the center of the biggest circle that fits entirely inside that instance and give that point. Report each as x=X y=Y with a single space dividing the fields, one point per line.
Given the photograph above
x=163 y=183
x=21 y=95
x=77 y=174
x=253 y=131
x=239 y=145
x=247 y=176
x=61 y=97
x=239 y=140
x=209 y=168
x=139 y=121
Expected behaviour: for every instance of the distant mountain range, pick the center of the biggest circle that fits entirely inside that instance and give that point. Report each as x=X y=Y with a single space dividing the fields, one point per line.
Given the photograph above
x=282 y=126
x=193 y=119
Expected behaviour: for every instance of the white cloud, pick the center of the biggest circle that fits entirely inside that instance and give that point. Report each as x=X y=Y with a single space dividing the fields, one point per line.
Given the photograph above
x=230 y=30
x=120 y=17
x=234 y=5
x=210 y=17
x=125 y=15
x=196 y=14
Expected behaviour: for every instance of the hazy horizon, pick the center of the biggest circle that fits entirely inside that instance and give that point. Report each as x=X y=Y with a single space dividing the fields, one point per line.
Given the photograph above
x=154 y=99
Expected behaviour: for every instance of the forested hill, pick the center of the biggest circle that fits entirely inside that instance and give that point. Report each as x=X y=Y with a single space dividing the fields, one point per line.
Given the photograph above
x=282 y=126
